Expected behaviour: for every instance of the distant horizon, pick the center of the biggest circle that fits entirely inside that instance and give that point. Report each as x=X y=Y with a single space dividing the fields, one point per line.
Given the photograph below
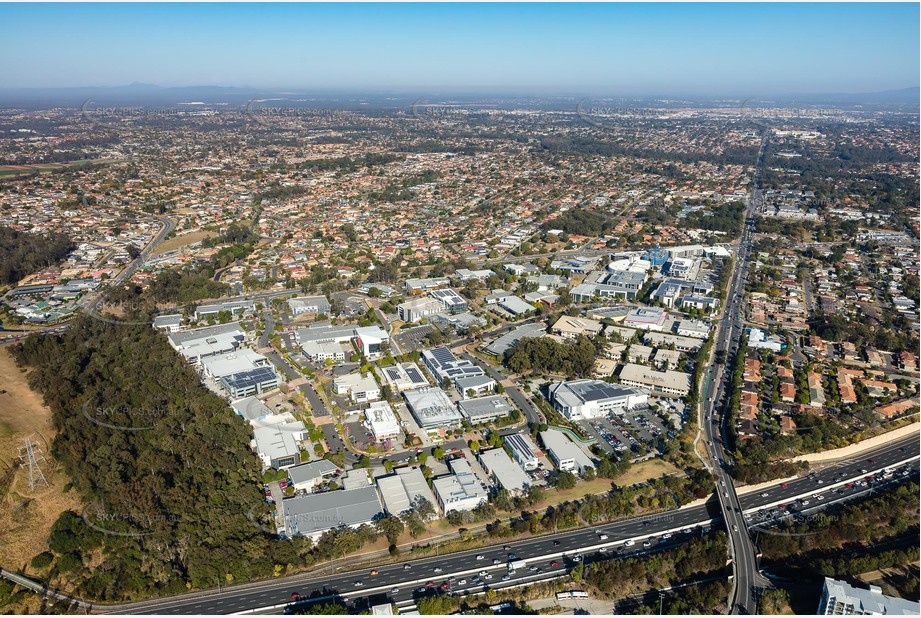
x=689 y=49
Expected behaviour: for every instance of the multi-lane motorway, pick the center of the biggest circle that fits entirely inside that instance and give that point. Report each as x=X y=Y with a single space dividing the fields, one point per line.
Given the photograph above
x=747 y=580
x=539 y=552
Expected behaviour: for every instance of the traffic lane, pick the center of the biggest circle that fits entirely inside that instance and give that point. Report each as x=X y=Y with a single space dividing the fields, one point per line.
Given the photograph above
x=887 y=457
x=422 y=569
x=566 y=542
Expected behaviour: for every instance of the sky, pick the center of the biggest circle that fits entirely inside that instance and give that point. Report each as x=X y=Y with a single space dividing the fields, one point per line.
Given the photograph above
x=599 y=49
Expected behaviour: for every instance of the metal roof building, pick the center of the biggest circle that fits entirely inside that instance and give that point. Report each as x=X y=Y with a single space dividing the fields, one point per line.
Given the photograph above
x=567 y=456
x=460 y=491
x=842 y=599
x=485 y=409
x=506 y=341
x=431 y=408
x=503 y=470
x=314 y=514
x=403 y=488
x=581 y=399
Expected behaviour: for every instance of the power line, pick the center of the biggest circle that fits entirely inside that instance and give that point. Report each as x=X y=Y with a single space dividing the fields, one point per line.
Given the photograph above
x=30 y=455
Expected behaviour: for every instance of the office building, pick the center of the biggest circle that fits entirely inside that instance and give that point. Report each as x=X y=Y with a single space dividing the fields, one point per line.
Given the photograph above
x=371 y=341
x=564 y=453
x=382 y=421
x=403 y=489
x=307 y=476
x=485 y=409
x=432 y=409
x=839 y=598
x=667 y=382
x=583 y=399
x=314 y=514
x=308 y=304
x=403 y=376
x=523 y=450
x=443 y=365
x=452 y=301
x=358 y=386
x=459 y=491
x=506 y=473
x=233 y=308
x=415 y=309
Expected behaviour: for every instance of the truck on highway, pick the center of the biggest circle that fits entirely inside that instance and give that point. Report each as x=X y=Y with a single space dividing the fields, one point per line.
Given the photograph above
x=514 y=565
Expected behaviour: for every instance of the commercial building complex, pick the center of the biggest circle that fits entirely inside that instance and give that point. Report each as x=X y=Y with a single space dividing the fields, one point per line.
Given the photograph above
x=485 y=409
x=459 y=491
x=668 y=382
x=382 y=421
x=358 y=386
x=565 y=454
x=314 y=514
x=842 y=599
x=523 y=450
x=443 y=365
x=308 y=304
x=403 y=376
x=403 y=489
x=505 y=472
x=432 y=409
x=582 y=399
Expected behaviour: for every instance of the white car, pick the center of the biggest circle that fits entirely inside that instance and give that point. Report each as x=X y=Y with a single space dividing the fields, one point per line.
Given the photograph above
x=462 y=582
x=629 y=543
x=480 y=557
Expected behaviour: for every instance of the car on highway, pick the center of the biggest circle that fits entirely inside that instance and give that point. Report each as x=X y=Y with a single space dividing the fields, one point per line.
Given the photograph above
x=295 y=595
x=420 y=589
x=480 y=557
x=735 y=528
x=437 y=570
x=407 y=566
x=429 y=584
x=783 y=485
x=487 y=576
x=764 y=494
x=554 y=563
x=374 y=572
x=482 y=573
x=647 y=544
x=496 y=561
x=394 y=590
x=556 y=542
x=359 y=583
x=505 y=578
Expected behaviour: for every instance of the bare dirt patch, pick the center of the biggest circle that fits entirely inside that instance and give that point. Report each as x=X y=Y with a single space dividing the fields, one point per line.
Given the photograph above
x=26 y=517
x=184 y=240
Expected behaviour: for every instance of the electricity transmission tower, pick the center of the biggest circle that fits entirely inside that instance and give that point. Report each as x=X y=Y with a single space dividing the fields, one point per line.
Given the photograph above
x=30 y=455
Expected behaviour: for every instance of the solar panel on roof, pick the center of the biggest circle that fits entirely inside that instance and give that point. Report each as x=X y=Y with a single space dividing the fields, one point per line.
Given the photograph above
x=250 y=377
x=414 y=375
x=442 y=355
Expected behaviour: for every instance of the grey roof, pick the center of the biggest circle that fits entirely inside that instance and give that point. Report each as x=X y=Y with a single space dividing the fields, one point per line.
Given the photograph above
x=494 y=405
x=324 y=333
x=174 y=319
x=431 y=407
x=507 y=473
x=183 y=338
x=473 y=382
x=860 y=601
x=506 y=341
x=516 y=305
x=251 y=408
x=309 y=471
x=250 y=377
x=314 y=513
x=401 y=489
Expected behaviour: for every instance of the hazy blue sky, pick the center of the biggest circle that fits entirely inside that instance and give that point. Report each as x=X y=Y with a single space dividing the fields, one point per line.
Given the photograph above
x=708 y=49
